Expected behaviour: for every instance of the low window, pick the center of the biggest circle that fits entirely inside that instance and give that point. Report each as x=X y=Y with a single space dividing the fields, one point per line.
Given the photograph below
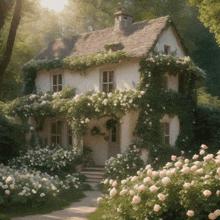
x=56 y=132
x=107 y=81
x=165 y=129
x=166 y=49
x=165 y=82
x=57 y=82
x=70 y=141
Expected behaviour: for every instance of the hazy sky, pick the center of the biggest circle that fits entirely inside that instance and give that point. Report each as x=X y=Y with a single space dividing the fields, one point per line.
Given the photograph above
x=56 y=5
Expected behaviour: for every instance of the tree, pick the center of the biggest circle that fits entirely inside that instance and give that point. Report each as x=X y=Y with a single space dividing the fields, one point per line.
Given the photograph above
x=5 y=7
x=10 y=42
x=209 y=14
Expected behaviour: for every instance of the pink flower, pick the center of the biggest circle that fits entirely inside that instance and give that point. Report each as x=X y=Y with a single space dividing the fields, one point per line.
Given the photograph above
x=138 y=172
x=168 y=173
x=105 y=101
x=147 y=180
x=173 y=158
x=148 y=167
x=114 y=184
x=157 y=208
x=161 y=196
x=111 y=181
x=153 y=188
x=217 y=212
x=162 y=174
x=123 y=182
x=106 y=181
x=173 y=170
x=131 y=192
x=196 y=163
x=202 y=152
x=207 y=193
x=123 y=192
x=193 y=168
x=141 y=188
x=136 y=199
x=212 y=216
x=208 y=157
x=186 y=161
x=178 y=164
x=134 y=178
x=149 y=172
x=9 y=179
x=195 y=157
x=204 y=147
x=217 y=192
x=190 y=213
x=113 y=192
x=168 y=164
x=165 y=180
x=199 y=171
x=185 y=170
x=155 y=173
x=186 y=185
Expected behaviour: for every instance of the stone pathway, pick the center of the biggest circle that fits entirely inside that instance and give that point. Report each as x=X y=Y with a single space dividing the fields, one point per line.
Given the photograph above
x=76 y=211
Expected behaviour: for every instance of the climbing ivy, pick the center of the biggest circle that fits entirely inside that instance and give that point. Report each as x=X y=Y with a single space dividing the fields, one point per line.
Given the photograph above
x=77 y=63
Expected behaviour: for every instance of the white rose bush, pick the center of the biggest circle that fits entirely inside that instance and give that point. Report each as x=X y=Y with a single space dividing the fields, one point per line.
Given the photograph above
x=32 y=188
x=125 y=164
x=182 y=189
x=49 y=159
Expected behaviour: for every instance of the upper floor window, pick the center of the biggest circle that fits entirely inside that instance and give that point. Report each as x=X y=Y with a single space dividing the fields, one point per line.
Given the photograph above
x=57 y=82
x=107 y=81
x=165 y=129
x=166 y=49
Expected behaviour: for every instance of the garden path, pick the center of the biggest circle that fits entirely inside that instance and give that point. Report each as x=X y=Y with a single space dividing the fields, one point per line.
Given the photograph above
x=76 y=211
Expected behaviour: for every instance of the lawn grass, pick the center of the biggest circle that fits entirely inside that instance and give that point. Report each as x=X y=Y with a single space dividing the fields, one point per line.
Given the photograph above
x=26 y=209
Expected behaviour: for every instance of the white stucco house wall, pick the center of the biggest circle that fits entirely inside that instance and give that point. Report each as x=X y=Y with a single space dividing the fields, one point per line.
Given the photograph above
x=138 y=39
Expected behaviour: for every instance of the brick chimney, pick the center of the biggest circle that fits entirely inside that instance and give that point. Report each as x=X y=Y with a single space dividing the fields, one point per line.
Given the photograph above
x=122 y=19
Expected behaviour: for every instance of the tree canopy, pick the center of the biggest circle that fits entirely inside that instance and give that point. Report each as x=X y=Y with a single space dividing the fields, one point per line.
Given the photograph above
x=209 y=14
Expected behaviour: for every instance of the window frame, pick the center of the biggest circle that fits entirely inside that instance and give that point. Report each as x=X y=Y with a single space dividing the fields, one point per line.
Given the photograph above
x=57 y=80
x=163 y=131
x=108 y=82
x=167 y=49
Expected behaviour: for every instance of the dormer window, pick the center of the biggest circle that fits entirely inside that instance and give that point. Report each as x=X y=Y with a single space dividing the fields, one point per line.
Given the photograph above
x=57 y=82
x=107 y=81
x=166 y=49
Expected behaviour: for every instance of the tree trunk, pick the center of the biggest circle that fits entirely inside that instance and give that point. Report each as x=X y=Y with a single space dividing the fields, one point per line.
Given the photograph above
x=10 y=42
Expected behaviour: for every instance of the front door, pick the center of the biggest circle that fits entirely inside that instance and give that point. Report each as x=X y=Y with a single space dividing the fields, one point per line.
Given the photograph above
x=114 y=141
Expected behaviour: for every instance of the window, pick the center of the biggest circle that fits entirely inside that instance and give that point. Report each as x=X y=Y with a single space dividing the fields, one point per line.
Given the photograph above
x=165 y=129
x=70 y=141
x=107 y=81
x=57 y=82
x=56 y=132
x=166 y=49
x=165 y=82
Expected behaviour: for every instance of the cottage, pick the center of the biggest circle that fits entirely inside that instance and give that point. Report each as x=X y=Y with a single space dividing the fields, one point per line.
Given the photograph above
x=137 y=40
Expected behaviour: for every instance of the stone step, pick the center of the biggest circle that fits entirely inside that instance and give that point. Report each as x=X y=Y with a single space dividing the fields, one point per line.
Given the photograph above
x=91 y=180
x=94 y=176
x=102 y=169
x=92 y=173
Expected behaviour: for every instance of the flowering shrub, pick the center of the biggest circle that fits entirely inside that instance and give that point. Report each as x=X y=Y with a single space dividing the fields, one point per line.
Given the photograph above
x=183 y=189
x=125 y=164
x=25 y=186
x=48 y=158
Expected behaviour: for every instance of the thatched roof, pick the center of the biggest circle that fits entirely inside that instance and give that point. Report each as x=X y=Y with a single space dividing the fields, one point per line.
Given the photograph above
x=137 y=39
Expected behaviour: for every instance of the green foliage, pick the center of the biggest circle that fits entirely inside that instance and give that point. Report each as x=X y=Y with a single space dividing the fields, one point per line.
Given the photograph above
x=68 y=92
x=183 y=189
x=156 y=100
x=205 y=98
x=12 y=137
x=207 y=127
x=125 y=164
x=209 y=13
